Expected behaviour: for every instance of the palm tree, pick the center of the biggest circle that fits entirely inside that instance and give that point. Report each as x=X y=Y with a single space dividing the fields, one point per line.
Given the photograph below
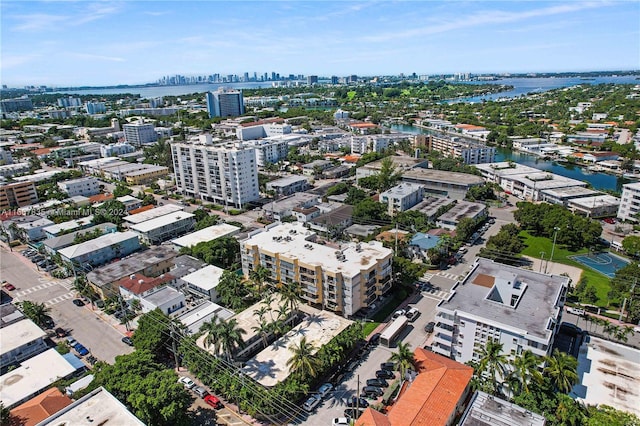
x=492 y=364
x=403 y=358
x=303 y=362
x=231 y=336
x=291 y=294
x=36 y=312
x=562 y=370
x=213 y=331
x=263 y=329
x=525 y=370
x=259 y=277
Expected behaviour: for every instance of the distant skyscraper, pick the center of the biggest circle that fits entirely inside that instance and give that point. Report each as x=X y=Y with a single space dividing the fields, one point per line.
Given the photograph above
x=225 y=103
x=95 y=107
x=312 y=79
x=334 y=79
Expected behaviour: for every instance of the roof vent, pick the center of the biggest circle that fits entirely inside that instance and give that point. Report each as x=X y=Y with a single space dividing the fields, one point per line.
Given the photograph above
x=140 y=281
x=132 y=276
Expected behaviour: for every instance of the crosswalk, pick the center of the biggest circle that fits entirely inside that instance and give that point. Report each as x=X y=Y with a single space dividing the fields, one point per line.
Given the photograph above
x=59 y=299
x=44 y=285
x=432 y=293
x=448 y=275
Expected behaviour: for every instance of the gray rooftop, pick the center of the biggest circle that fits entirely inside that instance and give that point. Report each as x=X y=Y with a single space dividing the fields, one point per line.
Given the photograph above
x=130 y=265
x=335 y=217
x=289 y=203
x=9 y=314
x=479 y=294
x=487 y=410
x=461 y=210
x=66 y=240
x=400 y=162
x=441 y=176
x=431 y=205
x=186 y=265
x=96 y=244
x=285 y=181
x=152 y=213
x=401 y=190
x=603 y=200
x=163 y=295
x=570 y=192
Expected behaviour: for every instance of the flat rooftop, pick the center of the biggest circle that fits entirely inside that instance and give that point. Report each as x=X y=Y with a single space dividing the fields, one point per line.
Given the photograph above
x=570 y=192
x=152 y=214
x=69 y=225
x=33 y=375
x=596 y=201
x=194 y=318
x=290 y=202
x=461 y=210
x=402 y=189
x=534 y=309
x=206 y=234
x=295 y=241
x=609 y=374
x=19 y=334
x=206 y=278
x=269 y=367
x=161 y=221
x=98 y=407
x=184 y=265
x=431 y=205
x=285 y=181
x=163 y=295
x=401 y=162
x=101 y=242
x=488 y=410
x=440 y=176
x=131 y=265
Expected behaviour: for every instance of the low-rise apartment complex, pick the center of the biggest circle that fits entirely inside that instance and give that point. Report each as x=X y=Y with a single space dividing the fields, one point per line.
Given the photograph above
x=19 y=194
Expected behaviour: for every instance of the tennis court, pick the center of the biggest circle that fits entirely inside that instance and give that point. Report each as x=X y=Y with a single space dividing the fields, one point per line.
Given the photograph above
x=604 y=262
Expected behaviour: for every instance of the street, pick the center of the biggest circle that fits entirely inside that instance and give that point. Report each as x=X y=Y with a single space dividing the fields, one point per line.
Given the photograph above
x=99 y=334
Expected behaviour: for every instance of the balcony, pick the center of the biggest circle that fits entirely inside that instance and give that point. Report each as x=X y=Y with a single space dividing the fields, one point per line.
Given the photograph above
x=369 y=300
x=443 y=339
x=445 y=319
x=441 y=349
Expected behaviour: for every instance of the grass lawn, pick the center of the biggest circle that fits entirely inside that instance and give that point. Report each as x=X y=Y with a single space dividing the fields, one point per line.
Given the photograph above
x=368 y=327
x=561 y=255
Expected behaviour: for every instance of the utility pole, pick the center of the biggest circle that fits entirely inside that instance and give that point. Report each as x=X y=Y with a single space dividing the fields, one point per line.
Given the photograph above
x=553 y=247
x=624 y=303
x=174 y=348
x=542 y=262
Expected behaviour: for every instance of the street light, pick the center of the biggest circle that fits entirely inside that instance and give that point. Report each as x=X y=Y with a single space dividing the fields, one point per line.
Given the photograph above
x=553 y=247
x=541 y=261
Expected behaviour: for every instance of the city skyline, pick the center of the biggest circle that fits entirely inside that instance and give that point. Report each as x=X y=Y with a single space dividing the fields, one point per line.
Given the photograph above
x=134 y=42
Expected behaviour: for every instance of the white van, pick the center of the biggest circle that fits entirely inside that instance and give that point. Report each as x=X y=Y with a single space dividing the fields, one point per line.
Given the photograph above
x=576 y=311
x=412 y=314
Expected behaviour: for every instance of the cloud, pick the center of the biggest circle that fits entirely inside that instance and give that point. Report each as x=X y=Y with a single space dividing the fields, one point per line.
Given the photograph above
x=166 y=12
x=9 y=61
x=92 y=57
x=482 y=18
x=38 y=21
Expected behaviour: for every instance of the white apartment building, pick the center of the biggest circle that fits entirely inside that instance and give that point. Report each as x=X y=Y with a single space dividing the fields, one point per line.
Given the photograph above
x=364 y=144
x=223 y=174
x=163 y=228
x=341 y=279
x=86 y=187
x=402 y=197
x=269 y=151
x=630 y=202
x=262 y=129
x=520 y=309
x=452 y=146
x=139 y=133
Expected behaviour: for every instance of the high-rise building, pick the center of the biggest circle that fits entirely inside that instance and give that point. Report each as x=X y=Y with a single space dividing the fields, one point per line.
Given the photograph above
x=312 y=79
x=334 y=79
x=69 y=102
x=630 y=202
x=225 y=103
x=139 y=133
x=96 y=107
x=223 y=174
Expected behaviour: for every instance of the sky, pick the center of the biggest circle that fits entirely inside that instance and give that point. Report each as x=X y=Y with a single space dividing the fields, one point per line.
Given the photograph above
x=77 y=43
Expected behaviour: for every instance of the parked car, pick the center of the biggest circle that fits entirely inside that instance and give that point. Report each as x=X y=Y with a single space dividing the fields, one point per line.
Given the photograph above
x=49 y=323
x=357 y=402
x=71 y=341
x=80 y=349
x=9 y=286
x=412 y=314
x=186 y=382
x=352 y=413
x=429 y=327
x=311 y=403
x=60 y=332
x=127 y=341
x=398 y=313
x=91 y=359
x=609 y=220
x=50 y=268
x=200 y=391
x=340 y=421
x=391 y=366
x=576 y=311
x=78 y=302
x=325 y=389
x=213 y=401
x=381 y=383
x=371 y=392
x=375 y=339
x=385 y=374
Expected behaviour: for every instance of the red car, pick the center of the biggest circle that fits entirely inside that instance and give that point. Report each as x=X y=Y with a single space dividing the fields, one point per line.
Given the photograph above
x=9 y=286
x=213 y=401
x=609 y=220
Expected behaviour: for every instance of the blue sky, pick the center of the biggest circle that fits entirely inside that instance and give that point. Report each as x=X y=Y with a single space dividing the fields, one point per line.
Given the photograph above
x=129 y=42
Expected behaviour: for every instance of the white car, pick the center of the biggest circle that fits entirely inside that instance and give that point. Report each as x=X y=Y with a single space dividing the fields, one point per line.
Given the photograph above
x=325 y=389
x=399 y=313
x=339 y=421
x=311 y=403
x=186 y=382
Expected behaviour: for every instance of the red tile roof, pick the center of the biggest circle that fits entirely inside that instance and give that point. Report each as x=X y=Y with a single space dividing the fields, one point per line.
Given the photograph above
x=100 y=198
x=363 y=125
x=371 y=417
x=142 y=209
x=39 y=408
x=138 y=283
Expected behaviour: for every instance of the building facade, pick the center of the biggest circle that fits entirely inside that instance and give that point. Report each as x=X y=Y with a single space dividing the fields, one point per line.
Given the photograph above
x=163 y=228
x=138 y=134
x=225 y=103
x=341 y=280
x=629 y=203
x=101 y=250
x=402 y=197
x=223 y=174
x=85 y=186
x=518 y=308
x=470 y=152
x=18 y=195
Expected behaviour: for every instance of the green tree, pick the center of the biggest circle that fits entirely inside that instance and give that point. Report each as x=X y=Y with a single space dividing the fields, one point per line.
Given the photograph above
x=4 y=414
x=466 y=227
x=233 y=292
x=492 y=366
x=153 y=333
x=259 y=276
x=290 y=292
x=481 y=193
x=110 y=211
x=121 y=190
x=224 y=336
x=631 y=245
x=369 y=210
x=303 y=362
x=525 y=369
x=590 y=295
x=604 y=415
x=355 y=195
x=403 y=358
x=35 y=311
x=569 y=412
x=562 y=370
x=221 y=252
x=339 y=188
